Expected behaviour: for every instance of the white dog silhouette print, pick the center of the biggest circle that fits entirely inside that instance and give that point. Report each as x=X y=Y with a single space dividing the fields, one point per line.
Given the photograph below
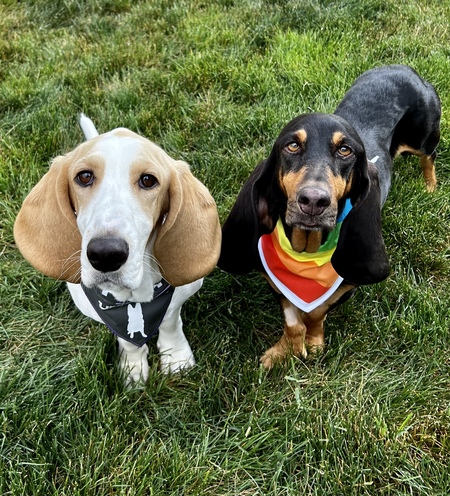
x=135 y=320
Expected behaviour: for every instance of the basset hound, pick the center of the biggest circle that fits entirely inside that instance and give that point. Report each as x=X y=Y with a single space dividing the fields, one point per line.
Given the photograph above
x=133 y=233
x=309 y=216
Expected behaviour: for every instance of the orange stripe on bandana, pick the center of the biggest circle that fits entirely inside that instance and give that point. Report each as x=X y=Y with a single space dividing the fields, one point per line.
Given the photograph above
x=305 y=279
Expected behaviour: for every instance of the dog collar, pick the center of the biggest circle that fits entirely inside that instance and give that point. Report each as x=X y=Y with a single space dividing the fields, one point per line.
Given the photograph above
x=305 y=279
x=134 y=322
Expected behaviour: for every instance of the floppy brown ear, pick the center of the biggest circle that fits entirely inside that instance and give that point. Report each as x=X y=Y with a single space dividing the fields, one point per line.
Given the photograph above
x=45 y=229
x=188 y=242
x=360 y=256
x=254 y=213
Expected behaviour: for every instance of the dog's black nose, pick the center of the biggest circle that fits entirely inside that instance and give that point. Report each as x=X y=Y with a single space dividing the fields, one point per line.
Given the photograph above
x=313 y=201
x=107 y=254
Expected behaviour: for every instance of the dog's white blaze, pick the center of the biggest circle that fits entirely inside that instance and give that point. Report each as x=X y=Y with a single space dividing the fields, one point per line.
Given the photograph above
x=115 y=210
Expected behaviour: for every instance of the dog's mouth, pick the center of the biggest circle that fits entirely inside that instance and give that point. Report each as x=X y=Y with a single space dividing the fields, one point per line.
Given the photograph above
x=313 y=227
x=112 y=282
x=326 y=221
x=310 y=225
x=109 y=281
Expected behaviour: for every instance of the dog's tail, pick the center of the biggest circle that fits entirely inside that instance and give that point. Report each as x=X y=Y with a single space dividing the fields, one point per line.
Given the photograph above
x=87 y=127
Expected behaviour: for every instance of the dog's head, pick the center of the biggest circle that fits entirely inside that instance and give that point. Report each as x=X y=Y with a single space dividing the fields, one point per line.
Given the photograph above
x=104 y=208
x=316 y=163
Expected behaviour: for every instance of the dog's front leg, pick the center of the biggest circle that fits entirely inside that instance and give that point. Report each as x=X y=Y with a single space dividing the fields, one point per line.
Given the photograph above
x=174 y=349
x=315 y=339
x=133 y=362
x=293 y=339
x=314 y=321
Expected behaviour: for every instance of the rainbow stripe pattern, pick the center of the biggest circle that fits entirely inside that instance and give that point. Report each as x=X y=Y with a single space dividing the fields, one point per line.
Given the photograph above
x=305 y=279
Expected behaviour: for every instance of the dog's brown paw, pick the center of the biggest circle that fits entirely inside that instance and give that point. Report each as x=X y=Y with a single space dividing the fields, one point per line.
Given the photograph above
x=315 y=343
x=270 y=358
x=282 y=350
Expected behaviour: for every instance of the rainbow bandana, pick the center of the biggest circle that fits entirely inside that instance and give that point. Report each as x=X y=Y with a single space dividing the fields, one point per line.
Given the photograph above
x=305 y=279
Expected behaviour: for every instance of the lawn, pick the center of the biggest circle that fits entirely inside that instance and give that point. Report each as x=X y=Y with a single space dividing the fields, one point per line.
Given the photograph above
x=213 y=83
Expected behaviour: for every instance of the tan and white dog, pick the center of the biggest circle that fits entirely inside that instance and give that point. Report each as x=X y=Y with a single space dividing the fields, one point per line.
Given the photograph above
x=117 y=214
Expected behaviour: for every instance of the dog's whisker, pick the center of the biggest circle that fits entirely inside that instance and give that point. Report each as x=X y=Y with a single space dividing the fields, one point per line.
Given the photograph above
x=68 y=264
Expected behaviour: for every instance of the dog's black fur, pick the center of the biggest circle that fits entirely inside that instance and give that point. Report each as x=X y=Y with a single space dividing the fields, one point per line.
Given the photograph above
x=392 y=107
x=320 y=160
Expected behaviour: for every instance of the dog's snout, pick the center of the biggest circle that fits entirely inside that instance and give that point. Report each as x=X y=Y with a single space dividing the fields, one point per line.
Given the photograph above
x=107 y=254
x=313 y=201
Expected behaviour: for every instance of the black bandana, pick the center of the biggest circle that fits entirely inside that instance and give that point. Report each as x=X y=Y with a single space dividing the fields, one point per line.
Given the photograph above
x=134 y=322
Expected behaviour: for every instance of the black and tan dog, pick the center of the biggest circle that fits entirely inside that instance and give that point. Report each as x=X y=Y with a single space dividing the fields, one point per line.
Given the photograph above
x=309 y=216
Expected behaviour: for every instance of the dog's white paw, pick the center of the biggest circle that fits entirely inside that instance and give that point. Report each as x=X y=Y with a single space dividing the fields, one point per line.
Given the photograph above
x=134 y=366
x=173 y=361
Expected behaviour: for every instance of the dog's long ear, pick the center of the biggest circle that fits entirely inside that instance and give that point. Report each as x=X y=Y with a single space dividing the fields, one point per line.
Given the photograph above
x=360 y=255
x=254 y=213
x=45 y=229
x=188 y=242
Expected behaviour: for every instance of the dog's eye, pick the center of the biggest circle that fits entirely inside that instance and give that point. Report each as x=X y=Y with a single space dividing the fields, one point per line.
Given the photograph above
x=345 y=151
x=85 y=178
x=147 y=181
x=293 y=147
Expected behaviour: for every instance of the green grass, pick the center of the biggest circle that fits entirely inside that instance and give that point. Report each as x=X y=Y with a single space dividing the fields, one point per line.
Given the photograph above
x=213 y=83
